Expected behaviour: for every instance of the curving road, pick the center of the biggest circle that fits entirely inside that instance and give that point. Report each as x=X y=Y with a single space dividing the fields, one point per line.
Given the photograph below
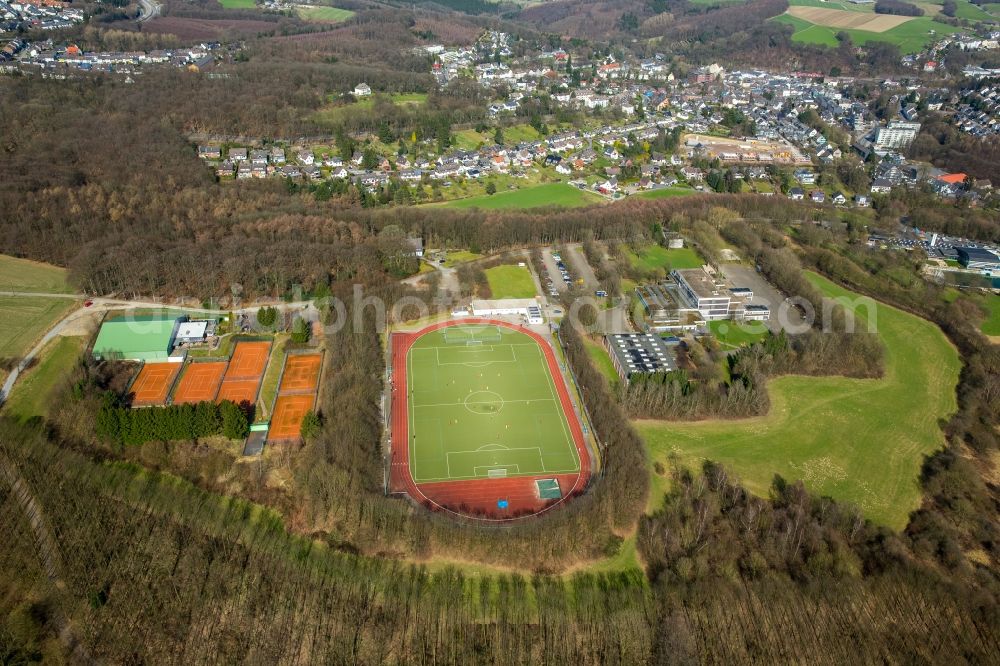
x=102 y=304
x=148 y=9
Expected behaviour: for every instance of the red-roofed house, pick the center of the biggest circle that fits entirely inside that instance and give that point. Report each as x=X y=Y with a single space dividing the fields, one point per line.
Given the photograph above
x=953 y=178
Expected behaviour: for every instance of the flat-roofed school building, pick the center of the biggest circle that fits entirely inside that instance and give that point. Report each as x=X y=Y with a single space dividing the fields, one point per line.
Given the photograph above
x=703 y=292
x=639 y=353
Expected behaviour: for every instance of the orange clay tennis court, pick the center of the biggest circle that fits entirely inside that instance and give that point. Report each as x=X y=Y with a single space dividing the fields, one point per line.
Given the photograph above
x=238 y=390
x=200 y=382
x=248 y=361
x=153 y=383
x=286 y=423
x=301 y=373
x=246 y=369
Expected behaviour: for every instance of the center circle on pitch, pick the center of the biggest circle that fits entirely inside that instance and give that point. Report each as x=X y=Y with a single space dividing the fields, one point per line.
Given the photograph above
x=484 y=402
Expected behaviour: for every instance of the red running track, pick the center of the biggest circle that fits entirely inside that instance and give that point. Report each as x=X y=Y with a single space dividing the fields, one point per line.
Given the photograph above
x=477 y=498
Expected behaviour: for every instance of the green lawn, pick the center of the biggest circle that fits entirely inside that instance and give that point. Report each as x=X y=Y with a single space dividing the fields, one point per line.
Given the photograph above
x=911 y=36
x=549 y=194
x=511 y=282
x=471 y=139
x=991 y=325
x=269 y=385
x=473 y=409
x=737 y=334
x=324 y=14
x=24 y=319
x=666 y=192
x=32 y=393
x=455 y=257
x=601 y=360
x=336 y=113
x=238 y=4
x=653 y=257
x=861 y=441
x=34 y=276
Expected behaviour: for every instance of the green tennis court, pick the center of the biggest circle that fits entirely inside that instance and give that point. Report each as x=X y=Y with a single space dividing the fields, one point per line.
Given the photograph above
x=482 y=404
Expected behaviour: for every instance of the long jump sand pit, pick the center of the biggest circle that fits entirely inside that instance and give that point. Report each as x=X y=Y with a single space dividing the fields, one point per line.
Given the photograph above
x=839 y=18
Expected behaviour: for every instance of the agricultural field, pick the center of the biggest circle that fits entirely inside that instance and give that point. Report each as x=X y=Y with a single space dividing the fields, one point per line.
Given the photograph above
x=510 y=282
x=654 y=257
x=817 y=25
x=238 y=4
x=860 y=441
x=31 y=395
x=549 y=194
x=34 y=276
x=322 y=14
x=25 y=319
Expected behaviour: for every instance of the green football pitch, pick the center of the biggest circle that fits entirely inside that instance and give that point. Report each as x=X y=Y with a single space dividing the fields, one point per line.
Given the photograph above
x=482 y=404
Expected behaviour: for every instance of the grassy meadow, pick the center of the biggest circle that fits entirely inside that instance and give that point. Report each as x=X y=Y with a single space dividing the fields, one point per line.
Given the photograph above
x=856 y=440
x=323 y=14
x=23 y=320
x=653 y=257
x=34 y=276
x=31 y=395
x=549 y=194
x=666 y=192
x=510 y=282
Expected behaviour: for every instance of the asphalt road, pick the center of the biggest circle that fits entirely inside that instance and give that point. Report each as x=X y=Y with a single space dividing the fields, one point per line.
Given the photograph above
x=148 y=10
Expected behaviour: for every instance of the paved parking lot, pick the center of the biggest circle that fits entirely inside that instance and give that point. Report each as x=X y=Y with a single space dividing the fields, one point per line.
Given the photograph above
x=783 y=315
x=552 y=269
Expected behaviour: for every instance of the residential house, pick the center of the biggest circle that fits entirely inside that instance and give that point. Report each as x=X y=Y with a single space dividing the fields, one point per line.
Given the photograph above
x=692 y=173
x=881 y=186
x=362 y=90
x=237 y=154
x=796 y=194
x=805 y=177
x=608 y=186
x=209 y=152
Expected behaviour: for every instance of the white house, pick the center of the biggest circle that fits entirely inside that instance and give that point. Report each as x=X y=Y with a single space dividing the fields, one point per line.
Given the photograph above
x=362 y=90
